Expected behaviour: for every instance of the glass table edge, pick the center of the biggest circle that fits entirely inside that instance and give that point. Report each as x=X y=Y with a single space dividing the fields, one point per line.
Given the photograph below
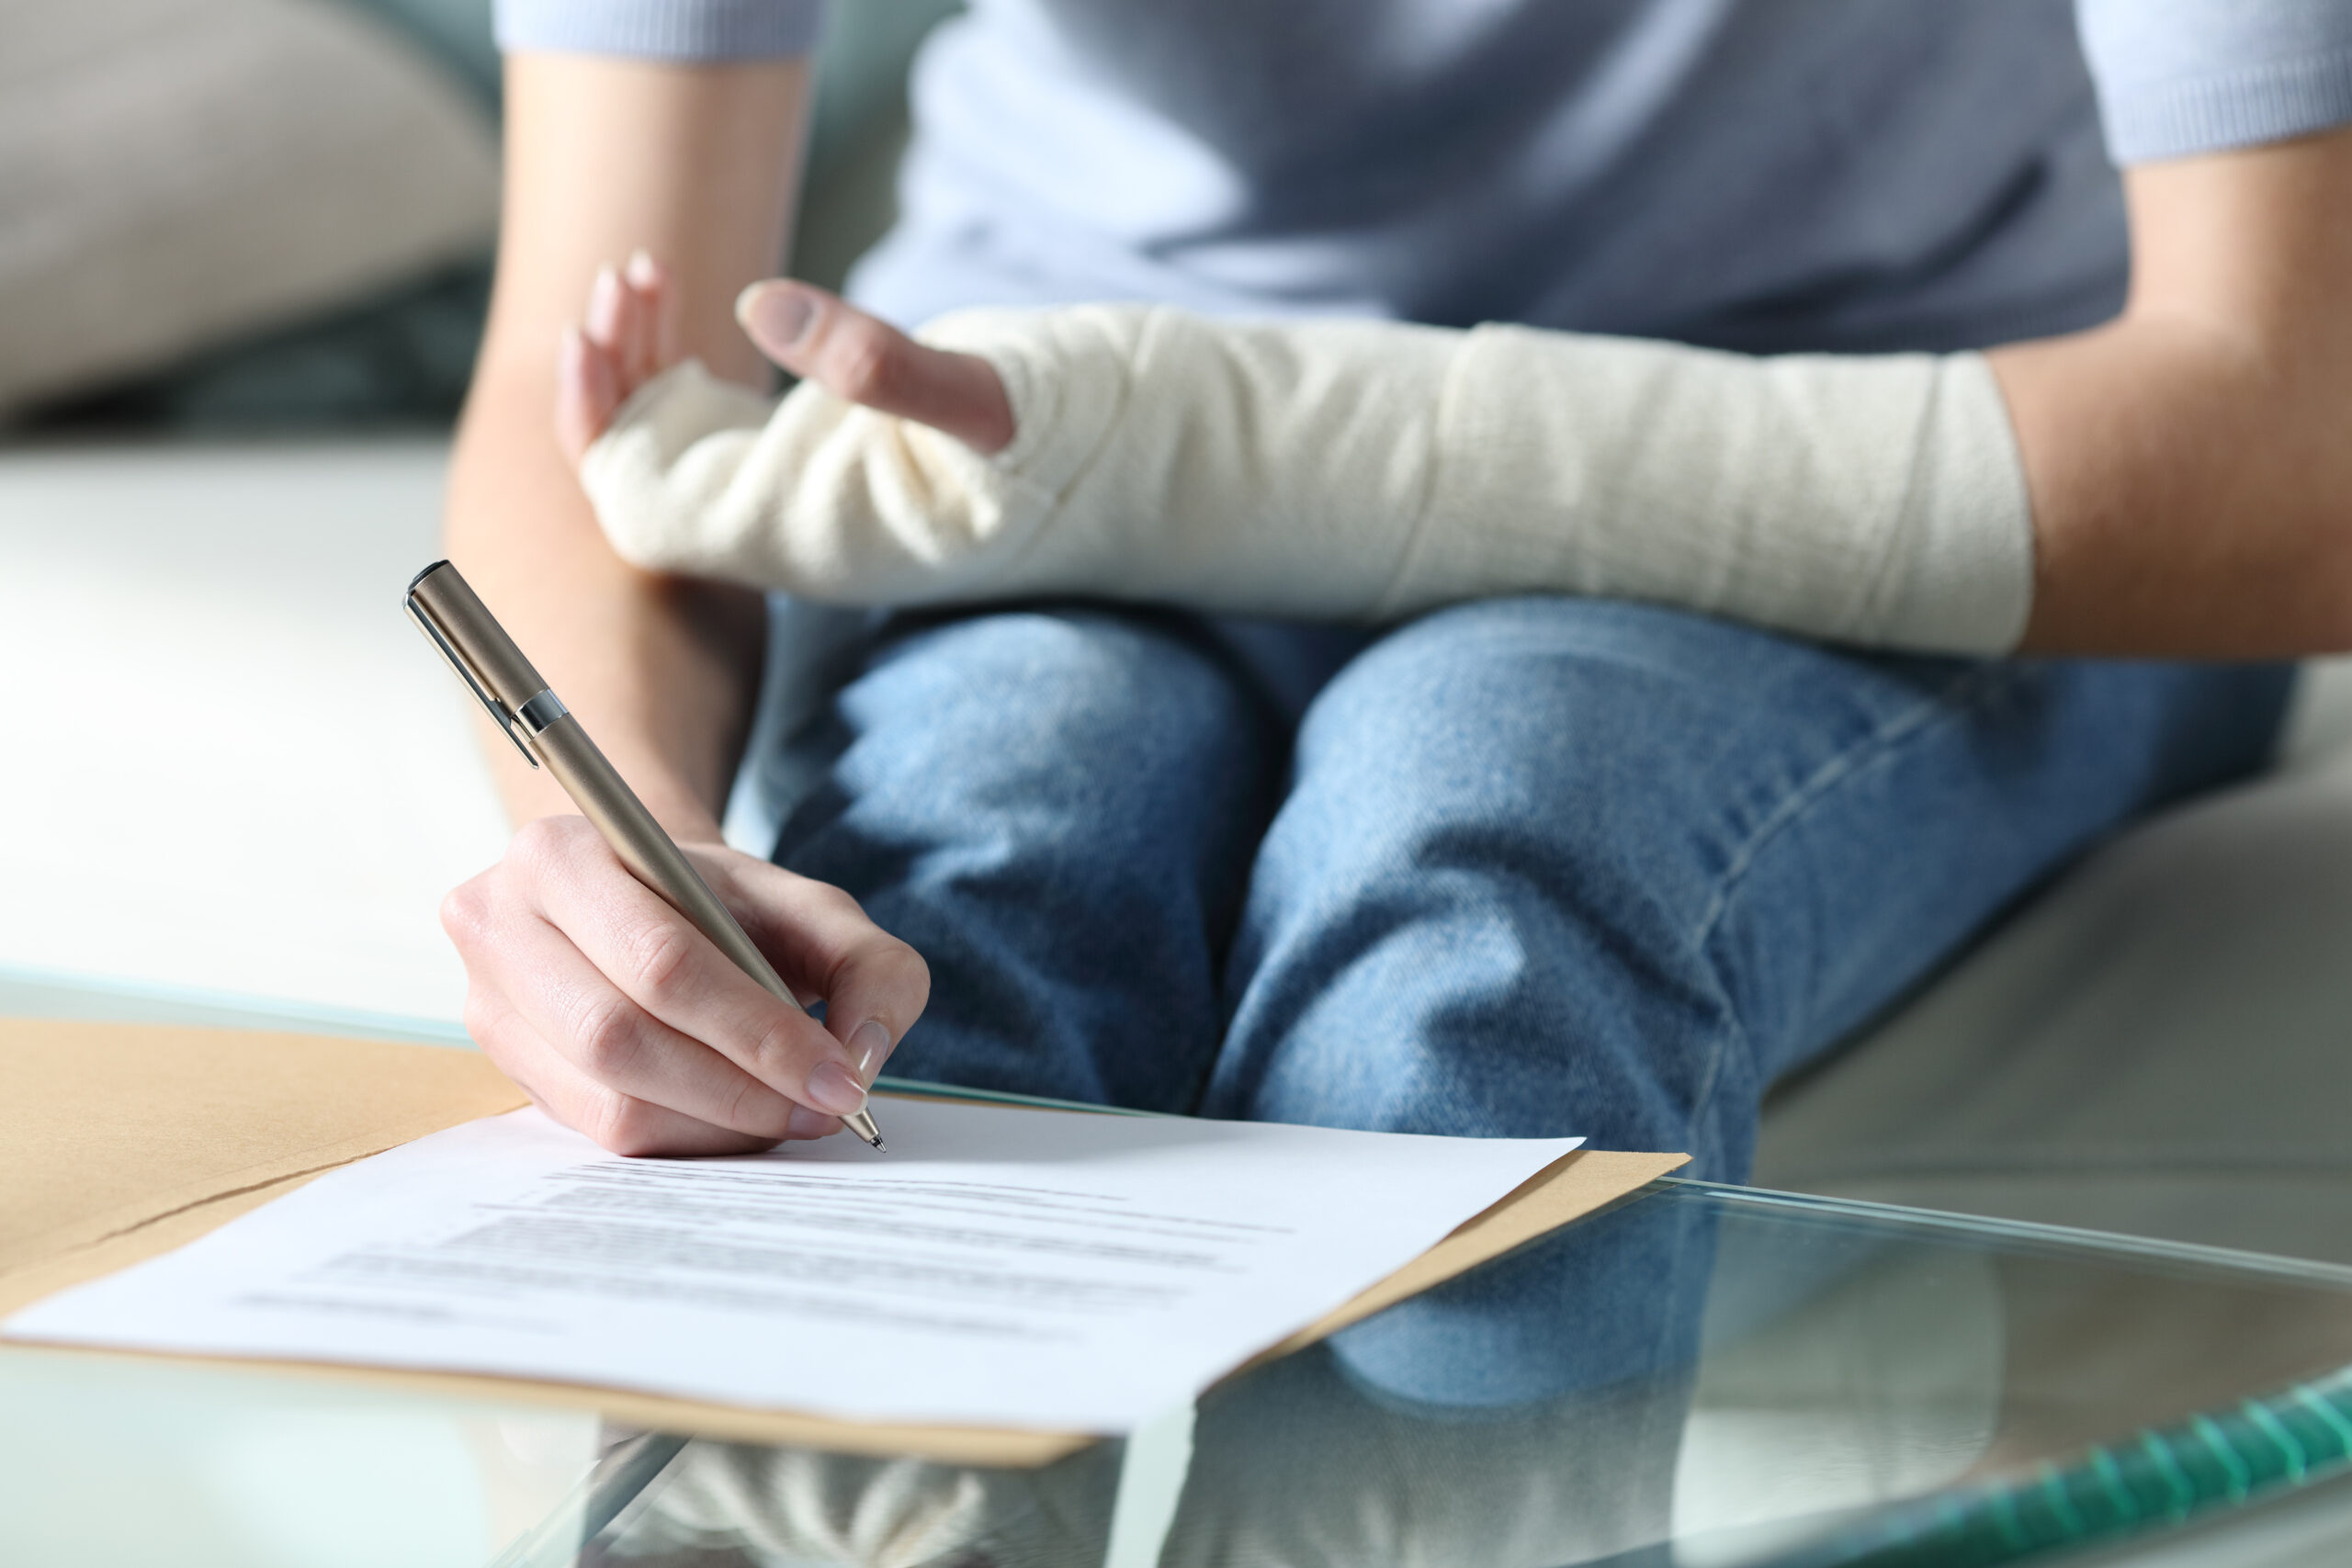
x=2026 y=1237
x=119 y=999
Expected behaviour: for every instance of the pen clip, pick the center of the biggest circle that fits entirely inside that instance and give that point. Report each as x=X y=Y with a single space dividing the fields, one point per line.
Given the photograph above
x=498 y=712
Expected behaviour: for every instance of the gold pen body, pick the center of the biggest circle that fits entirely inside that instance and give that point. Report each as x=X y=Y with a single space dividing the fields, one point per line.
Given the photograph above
x=449 y=612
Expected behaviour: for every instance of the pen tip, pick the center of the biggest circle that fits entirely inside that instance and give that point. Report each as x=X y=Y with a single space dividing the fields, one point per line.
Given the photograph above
x=861 y=1122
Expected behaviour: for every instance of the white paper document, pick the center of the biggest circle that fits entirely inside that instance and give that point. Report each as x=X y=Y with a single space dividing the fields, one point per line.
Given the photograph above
x=1000 y=1266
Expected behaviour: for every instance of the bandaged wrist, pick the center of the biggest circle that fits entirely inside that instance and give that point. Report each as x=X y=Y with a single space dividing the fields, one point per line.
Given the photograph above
x=1359 y=471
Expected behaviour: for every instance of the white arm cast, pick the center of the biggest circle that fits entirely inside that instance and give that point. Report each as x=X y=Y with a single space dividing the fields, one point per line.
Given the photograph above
x=1359 y=471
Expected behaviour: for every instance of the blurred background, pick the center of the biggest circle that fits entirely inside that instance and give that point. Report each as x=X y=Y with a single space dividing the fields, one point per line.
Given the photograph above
x=244 y=256
x=240 y=216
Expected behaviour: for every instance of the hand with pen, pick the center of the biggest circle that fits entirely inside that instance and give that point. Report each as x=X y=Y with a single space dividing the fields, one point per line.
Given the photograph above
x=618 y=1018
x=588 y=991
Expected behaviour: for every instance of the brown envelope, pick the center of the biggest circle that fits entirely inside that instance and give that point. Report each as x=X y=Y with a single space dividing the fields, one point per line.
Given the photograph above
x=119 y=1142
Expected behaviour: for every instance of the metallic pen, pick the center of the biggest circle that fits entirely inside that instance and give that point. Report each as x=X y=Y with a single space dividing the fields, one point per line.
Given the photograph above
x=455 y=621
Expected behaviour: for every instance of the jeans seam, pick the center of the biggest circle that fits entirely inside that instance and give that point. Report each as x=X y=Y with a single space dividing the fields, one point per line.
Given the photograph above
x=1967 y=691
x=1959 y=696
x=1703 y=1102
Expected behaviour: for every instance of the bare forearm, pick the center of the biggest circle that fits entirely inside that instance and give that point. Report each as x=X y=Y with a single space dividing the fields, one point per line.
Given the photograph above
x=662 y=672
x=605 y=158
x=2190 y=464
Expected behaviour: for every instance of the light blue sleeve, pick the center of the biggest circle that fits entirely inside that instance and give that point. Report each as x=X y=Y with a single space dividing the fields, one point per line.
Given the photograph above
x=2177 y=77
x=684 y=30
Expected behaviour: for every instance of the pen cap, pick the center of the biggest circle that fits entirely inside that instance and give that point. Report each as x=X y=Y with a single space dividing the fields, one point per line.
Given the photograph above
x=449 y=601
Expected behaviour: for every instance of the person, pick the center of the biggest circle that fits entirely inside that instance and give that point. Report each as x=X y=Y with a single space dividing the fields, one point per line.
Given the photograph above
x=1535 y=864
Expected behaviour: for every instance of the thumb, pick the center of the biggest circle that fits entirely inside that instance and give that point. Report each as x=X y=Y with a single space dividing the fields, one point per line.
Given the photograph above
x=824 y=339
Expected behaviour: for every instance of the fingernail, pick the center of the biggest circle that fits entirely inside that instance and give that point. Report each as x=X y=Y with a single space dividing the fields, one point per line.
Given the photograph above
x=806 y=1123
x=777 y=313
x=642 y=273
x=604 y=303
x=831 y=1087
x=869 y=1047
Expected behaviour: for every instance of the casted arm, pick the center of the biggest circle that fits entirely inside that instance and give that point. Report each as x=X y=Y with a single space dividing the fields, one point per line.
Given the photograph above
x=2177 y=482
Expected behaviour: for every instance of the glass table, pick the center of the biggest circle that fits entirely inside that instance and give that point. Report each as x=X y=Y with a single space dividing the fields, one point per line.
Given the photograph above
x=1702 y=1376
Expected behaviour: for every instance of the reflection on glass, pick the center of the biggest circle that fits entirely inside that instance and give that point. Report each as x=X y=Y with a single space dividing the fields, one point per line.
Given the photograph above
x=1699 y=1377
x=726 y=1504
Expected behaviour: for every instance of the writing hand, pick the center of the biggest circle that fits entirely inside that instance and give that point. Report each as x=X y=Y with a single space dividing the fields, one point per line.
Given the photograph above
x=619 y=1019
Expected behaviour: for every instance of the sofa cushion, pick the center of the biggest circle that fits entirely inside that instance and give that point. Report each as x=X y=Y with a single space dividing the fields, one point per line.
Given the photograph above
x=173 y=173
x=2160 y=1044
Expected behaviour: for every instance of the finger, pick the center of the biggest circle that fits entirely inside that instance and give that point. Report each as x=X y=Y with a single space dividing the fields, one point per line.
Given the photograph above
x=587 y=391
x=666 y=325
x=606 y=300
x=866 y=360
x=874 y=985
x=619 y=1121
x=510 y=952
x=674 y=974
x=532 y=971
x=623 y=1123
x=637 y=331
x=655 y=335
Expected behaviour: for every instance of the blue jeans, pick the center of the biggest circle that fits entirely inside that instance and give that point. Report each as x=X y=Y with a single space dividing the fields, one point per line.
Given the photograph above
x=1528 y=866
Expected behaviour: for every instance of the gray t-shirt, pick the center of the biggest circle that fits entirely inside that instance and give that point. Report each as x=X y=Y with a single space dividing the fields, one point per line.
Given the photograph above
x=1762 y=174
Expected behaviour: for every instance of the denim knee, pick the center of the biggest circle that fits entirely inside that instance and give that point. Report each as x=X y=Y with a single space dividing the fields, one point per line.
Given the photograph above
x=1056 y=807
x=1553 y=865
x=1068 y=693
x=1470 y=914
